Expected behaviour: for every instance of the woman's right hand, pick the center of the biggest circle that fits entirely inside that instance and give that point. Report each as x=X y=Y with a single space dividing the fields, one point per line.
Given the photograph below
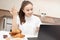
x=13 y=11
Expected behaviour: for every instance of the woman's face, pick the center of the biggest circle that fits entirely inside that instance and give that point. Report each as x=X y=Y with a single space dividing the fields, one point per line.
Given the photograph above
x=28 y=10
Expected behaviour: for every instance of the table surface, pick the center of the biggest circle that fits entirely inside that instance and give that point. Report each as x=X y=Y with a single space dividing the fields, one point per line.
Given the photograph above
x=28 y=37
x=7 y=33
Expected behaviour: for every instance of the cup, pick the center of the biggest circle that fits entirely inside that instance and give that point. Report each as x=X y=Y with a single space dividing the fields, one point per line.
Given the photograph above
x=5 y=36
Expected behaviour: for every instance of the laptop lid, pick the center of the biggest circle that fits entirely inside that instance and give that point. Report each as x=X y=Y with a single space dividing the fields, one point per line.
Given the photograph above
x=49 y=32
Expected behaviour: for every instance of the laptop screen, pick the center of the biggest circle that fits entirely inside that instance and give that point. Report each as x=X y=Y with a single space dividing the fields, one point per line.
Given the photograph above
x=49 y=32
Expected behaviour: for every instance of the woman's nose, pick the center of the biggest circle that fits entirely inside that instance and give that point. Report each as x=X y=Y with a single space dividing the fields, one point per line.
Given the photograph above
x=30 y=12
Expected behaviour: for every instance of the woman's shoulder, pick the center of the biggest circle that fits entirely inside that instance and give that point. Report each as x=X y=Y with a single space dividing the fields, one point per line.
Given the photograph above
x=37 y=20
x=35 y=17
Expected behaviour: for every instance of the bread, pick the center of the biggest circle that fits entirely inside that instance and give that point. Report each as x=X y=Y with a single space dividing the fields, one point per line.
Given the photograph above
x=17 y=34
x=16 y=31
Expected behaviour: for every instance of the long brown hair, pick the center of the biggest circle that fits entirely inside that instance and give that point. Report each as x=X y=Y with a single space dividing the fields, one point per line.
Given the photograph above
x=21 y=13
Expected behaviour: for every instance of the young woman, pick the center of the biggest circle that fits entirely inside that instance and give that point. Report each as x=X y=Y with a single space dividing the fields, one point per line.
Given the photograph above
x=26 y=21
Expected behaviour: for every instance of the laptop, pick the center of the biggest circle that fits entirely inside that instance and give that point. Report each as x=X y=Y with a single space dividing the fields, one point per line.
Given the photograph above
x=49 y=32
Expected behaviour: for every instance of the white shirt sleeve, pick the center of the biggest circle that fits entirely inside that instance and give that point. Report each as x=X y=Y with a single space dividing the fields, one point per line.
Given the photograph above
x=38 y=22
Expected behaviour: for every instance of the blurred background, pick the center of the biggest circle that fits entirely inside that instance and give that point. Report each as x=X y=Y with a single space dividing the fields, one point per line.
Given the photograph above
x=49 y=8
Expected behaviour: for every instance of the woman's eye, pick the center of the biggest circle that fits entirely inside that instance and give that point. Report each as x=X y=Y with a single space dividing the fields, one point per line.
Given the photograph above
x=31 y=9
x=27 y=10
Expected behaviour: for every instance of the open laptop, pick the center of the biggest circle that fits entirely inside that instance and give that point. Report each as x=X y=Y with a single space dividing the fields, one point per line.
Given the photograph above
x=49 y=32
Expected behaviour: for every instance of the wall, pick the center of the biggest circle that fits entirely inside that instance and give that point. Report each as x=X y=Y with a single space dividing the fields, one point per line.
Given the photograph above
x=8 y=4
x=50 y=7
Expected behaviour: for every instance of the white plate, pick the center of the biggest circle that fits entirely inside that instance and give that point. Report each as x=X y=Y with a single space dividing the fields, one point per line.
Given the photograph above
x=7 y=33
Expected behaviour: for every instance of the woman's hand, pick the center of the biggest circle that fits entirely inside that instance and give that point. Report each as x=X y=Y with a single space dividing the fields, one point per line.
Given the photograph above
x=37 y=29
x=13 y=11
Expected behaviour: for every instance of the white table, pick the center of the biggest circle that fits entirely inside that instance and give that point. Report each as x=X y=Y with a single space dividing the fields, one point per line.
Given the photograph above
x=7 y=33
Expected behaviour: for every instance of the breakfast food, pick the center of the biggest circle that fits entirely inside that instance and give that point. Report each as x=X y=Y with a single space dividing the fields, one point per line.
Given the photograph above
x=17 y=34
x=7 y=38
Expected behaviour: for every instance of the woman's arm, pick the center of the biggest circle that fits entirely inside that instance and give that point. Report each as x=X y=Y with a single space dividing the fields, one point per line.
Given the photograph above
x=38 y=23
x=37 y=29
x=14 y=24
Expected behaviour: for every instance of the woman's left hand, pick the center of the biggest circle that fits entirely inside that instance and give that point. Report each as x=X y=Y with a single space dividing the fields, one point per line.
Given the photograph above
x=37 y=29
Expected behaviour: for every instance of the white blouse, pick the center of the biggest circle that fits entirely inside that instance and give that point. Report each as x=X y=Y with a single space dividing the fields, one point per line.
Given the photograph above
x=29 y=27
